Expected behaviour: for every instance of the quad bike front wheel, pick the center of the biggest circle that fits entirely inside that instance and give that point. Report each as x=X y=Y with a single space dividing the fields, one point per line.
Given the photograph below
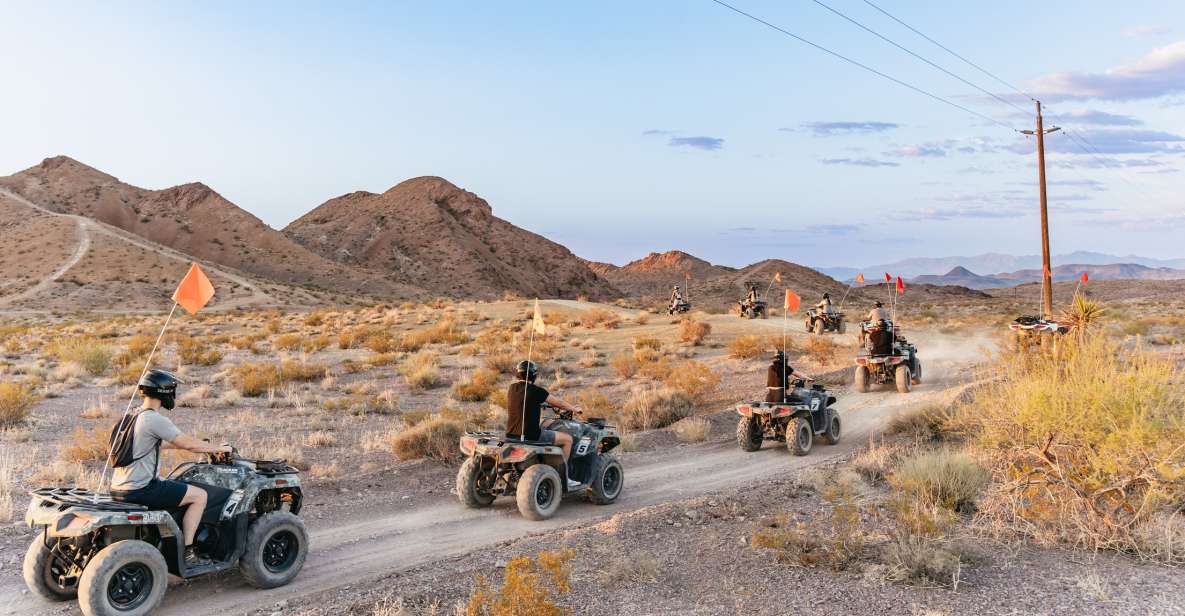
x=841 y=327
x=277 y=545
x=917 y=372
x=42 y=569
x=807 y=325
x=860 y=382
x=469 y=488
x=749 y=434
x=831 y=435
x=819 y=327
x=607 y=480
x=904 y=379
x=126 y=578
x=539 y=492
x=800 y=436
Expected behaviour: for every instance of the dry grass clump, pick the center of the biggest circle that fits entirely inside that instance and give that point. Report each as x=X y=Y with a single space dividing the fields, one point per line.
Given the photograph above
x=477 y=386
x=648 y=343
x=625 y=365
x=253 y=380
x=379 y=342
x=922 y=424
x=314 y=344
x=195 y=396
x=421 y=370
x=95 y=357
x=195 y=351
x=320 y=438
x=527 y=589
x=594 y=403
x=7 y=486
x=86 y=445
x=821 y=349
x=650 y=408
x=694 y=379
x=1086 y=445
x=286 y=342
x=502 y=361
x=921 y=560
x=693 y=332
x=744 y=347
x=436 y=438
x=445 y=331
x=692 y=429
x=941 y=478
x=16 y=400
x=600 y=317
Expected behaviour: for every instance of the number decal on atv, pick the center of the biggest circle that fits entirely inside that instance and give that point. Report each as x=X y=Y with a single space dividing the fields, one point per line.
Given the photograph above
x=814 y=404
x=582 y=448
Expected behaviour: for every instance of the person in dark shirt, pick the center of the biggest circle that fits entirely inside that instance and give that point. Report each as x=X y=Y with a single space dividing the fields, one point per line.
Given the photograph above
x=775 y=381
x=523 y=400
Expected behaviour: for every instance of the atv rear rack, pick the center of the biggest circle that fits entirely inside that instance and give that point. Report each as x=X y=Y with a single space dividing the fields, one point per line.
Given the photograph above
x=84 y=498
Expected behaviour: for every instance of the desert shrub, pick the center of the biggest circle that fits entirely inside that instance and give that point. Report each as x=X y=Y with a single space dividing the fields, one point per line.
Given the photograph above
x=436 y=438
x=1083 y=314
x=95 y=357
x=286 y=342
x=641 y=318
x=625 y=365
x=527 y=589
x=1086 y=445
x=477 y=387
x=86 y=445
x=347 y=338
x=315 y=318
x=944 y=478
x=922 y=560
x=647 y=342
x=493 y=340
x=595 y=404
x=292 y=370
x=694 y=379
x=654 y=367
x=445 y=331
x=692 y=429
x=650 y=408
x=195 y=351
x=421 y=370
x=320 y=438
x=315 y=343
x=821 y=349
x=273 y=326
x=924 y=423
x=602 y=317
x=253 y=380
x=16 y=400
x=138 y=345
x=693 y=332
x=380 y=342
x=7 y=486
x=591 y=359
x=382 y=359
x=502 y=362
x=744 y=347
x=245 y=343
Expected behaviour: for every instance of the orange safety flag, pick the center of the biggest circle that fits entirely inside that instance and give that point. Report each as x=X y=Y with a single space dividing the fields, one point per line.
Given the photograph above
x=860 y=278
x=1085 y=278
x=888 y=278
x=195 y=290
x=537 y=321
x=778 y=277
x=792 y=302
x=900 y=285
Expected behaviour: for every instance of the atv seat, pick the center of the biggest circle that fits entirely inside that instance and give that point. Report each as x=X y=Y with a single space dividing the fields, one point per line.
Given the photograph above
x=519 y=441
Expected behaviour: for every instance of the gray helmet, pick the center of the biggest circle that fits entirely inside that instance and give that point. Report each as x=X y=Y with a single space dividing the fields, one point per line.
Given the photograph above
x=526 y=371
x=160 y=385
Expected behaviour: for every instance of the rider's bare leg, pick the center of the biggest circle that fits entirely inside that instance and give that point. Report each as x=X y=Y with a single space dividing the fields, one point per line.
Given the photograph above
x=564 y=440
x=195 y=498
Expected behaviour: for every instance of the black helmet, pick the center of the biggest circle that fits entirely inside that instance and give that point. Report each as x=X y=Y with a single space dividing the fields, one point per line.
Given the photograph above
x=826 y=296
x=879 y=304
x=779 y=355
x=160 y=385
x=526 y=371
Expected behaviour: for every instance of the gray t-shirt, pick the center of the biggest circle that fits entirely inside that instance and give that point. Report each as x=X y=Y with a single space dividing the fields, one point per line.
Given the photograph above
x=151 y=428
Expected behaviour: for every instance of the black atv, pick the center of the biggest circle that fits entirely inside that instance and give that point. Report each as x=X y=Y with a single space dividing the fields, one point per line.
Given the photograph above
x=887 y=358
x=818 y=322
x=805 y=414
x=679 y=306
x=1030 y=332
x=535 y=473
x=116 y=557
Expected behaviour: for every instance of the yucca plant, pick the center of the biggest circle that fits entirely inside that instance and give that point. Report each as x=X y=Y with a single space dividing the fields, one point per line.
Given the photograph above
x=1083 y=314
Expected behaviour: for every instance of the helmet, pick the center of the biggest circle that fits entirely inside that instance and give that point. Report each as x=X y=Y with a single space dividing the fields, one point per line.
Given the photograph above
x=526 y=371
x=879 y=304
x=779 y=355
x=826 y=296
x=160 y=385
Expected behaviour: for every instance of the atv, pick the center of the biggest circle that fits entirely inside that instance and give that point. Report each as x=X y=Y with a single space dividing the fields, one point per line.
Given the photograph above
x=887 y=358
x=116 y=557
x=805 y=414
x=679 y=306
x=819 y=322
x=1029 y=332
x=535 y=473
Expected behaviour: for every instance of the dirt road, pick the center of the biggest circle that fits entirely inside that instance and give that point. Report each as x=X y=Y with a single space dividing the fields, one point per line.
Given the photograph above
x=353 y=553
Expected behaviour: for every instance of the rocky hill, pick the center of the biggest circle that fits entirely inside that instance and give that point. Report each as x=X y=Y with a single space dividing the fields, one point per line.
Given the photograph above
x=442 y=238
x=1071 y=272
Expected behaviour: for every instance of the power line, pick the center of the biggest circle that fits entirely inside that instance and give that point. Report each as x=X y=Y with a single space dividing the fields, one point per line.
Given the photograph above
x=950 y=51
x=919 y=56
x=861 y=65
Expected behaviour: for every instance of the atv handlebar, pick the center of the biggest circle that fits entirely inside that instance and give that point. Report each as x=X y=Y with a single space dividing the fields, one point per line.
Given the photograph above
x=560 y=413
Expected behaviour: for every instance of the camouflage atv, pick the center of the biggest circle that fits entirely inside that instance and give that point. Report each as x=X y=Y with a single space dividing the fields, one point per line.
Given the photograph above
x=678 y=306
x=818 y=322
x=116 y=558
x=535 y=473
x=887 y=358
x=806 y=414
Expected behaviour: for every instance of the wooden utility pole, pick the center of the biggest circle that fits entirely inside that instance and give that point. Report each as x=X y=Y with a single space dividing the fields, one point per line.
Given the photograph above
x=1046 y=268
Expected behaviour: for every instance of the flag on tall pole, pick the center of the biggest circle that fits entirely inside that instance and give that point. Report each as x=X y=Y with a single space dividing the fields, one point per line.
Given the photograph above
x=888 y=278
x=900 y=286
x=860 y=278
x=792 y=302
x=537 y=324
x=194 y=291
x=1085 y=278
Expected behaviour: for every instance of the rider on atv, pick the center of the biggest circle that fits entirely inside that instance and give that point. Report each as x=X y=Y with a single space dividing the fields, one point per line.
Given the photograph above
x=524 y=400
x=875 y=316
x=825 y=306
x=777 y=375
x=139 y=482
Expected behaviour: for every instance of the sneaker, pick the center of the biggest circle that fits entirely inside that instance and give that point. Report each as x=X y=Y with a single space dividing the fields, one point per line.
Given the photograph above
x=192 y=559
x=572 y=483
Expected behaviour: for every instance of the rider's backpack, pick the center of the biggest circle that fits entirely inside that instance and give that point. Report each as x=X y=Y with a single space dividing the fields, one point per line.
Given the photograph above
x=121 y=452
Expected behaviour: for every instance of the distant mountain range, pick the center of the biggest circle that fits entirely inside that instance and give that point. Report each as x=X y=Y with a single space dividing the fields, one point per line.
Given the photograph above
x=963 y=277
x=993 y=263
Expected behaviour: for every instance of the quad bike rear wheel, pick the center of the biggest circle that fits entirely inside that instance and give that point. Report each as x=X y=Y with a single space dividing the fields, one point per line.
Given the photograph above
x=469 y=490
x=904 y=379
x=607 y=480
x=539 y=492
x=819 y=327
x=749 y=434
x=831 y=435
x=42 y=569
x=800 y=436
x=841 y=327
x=861 y=379
x=126 y=578
x=917 y=372
x=277 y=545
x=807 y=325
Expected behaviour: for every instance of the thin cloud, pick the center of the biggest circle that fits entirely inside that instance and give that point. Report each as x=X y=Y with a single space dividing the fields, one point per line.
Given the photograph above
x=659 y=131
x=1109 y=141
x=1105 y=163
x=831 y=129
x=1100 y=118
x=918 y=151
x=860 y=162
x=1159 y=73
x=838 y=229
x=699 y=143
x=1144 y=31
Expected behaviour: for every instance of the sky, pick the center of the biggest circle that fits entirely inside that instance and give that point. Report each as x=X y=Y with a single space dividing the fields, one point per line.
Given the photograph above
x=620 y=127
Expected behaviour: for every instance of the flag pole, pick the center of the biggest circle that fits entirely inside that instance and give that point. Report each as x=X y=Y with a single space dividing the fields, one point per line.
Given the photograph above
x=132 y=398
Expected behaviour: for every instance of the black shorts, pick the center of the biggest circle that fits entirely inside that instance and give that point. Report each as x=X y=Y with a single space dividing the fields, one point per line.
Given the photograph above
x=547 y=437
x=158 y=494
